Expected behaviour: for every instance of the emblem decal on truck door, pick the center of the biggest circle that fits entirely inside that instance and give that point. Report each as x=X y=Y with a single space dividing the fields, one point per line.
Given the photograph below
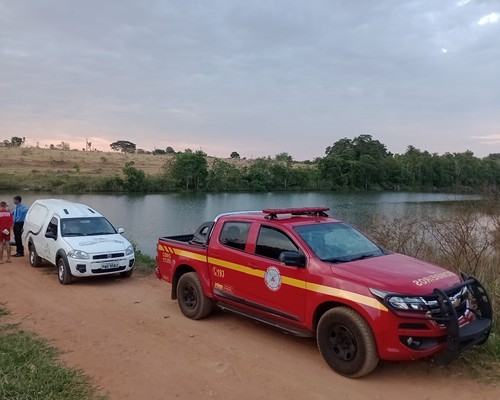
x=272 y=278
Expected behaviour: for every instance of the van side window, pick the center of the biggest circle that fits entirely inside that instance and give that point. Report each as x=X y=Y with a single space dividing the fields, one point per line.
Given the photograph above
x=52 y=227
x=235 y=234
x=271 y=242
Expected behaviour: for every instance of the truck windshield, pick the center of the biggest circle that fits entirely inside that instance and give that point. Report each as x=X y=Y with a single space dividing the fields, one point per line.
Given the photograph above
x=338 y=242
x=86 y=227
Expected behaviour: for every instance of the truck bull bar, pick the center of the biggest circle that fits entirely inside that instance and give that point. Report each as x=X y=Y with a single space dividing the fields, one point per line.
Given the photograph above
x=477 y=331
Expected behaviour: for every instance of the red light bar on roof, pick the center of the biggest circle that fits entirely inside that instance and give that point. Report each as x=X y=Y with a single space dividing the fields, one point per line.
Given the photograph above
x=313 y=211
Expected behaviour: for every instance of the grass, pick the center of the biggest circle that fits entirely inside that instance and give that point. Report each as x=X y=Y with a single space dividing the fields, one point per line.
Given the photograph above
x=30 y=369
x=483 y=362
x=143 y=263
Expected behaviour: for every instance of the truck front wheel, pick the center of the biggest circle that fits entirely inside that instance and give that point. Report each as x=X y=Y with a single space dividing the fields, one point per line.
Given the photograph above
x=346 y=342
x=192 y=302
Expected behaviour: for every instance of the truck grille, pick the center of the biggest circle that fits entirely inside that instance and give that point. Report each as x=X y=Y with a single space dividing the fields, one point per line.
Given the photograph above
x=459 y=299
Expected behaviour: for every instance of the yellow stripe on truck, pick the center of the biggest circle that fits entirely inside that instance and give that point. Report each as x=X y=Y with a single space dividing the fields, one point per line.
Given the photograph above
x=236 y=267
x=286 y=280
x=189 y=254
x=345 y=294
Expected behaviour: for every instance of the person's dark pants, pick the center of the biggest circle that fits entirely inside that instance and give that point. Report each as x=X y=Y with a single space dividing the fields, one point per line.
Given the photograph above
x=18 y=229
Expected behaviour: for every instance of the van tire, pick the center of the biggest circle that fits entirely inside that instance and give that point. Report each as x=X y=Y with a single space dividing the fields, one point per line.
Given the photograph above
x=63 y=272
x=127 y=274
x=346 y=342
x=192 y=302
x=35 y=259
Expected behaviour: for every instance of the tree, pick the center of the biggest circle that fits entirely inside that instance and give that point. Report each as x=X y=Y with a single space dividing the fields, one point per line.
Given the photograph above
x=234 y=154
x=189 y=169
x=63 y=146
x=159 y=152
x=16 y=141
x=223 y=176
x=124 y=146
x=258 y=175
x=135 y=179
x=170 y=150
x=284 y=157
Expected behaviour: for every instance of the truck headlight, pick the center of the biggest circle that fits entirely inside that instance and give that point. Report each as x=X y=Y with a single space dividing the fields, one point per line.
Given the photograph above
x=78 y=254
x=129 y=250
x=401 y=302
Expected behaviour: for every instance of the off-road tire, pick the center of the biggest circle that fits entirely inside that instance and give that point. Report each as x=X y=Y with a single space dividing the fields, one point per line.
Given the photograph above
x=35 y=259
x=346 y=342
x=63 y=272
x=192 y=302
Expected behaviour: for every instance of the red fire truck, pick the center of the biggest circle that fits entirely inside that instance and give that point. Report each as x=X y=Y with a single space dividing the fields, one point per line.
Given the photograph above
x=310 y=275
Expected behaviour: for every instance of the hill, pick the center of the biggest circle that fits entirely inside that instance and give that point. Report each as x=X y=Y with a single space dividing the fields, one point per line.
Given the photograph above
x=35 y=160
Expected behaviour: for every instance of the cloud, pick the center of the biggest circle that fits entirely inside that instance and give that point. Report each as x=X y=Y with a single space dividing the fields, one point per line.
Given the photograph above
x=489 y=19
x=488 y=139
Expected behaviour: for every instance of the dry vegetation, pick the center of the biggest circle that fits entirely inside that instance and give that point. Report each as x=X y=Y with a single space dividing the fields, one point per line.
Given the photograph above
x=33 y=160
x=467 y=240
x=36 y=160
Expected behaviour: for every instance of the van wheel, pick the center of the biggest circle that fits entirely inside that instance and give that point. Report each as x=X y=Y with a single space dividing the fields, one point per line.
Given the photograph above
x=63 y=272
x=192 y=302
x=346 y=342
x=127 y=274
x=35 y=259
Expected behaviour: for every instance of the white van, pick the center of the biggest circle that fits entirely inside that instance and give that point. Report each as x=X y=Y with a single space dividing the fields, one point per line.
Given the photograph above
x=77 y=239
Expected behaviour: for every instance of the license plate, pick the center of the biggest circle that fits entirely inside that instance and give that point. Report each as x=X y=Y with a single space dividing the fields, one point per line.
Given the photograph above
x=110 y=265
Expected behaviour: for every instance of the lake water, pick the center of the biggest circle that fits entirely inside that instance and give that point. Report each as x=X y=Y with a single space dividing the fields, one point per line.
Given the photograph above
x=147 y=217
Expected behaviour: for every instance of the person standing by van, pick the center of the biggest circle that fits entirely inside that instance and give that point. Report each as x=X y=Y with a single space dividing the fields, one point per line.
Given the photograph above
x=6 y=222
x=19 y=215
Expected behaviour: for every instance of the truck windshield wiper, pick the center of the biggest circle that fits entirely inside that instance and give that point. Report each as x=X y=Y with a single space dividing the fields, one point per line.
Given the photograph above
x=334 y=260
x=363 y=256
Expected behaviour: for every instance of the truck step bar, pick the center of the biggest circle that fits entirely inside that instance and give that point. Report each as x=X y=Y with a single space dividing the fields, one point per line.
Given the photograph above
x=282 y=327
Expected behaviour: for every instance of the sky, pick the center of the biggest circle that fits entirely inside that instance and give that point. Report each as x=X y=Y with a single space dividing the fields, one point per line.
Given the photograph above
x=258 y=77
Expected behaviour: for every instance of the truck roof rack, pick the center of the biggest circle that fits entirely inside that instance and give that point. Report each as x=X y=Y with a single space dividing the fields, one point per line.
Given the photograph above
x=272 y=213
x=235 y=213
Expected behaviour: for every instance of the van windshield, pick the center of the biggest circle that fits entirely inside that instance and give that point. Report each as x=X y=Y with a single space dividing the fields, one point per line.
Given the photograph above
x=338 y=242
x=86 y=227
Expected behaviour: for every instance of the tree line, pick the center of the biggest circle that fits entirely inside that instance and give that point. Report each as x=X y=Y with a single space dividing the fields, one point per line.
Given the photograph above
x=361 y=163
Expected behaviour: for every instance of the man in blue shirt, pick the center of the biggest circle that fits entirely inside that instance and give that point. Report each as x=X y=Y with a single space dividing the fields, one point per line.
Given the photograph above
x=19 y=215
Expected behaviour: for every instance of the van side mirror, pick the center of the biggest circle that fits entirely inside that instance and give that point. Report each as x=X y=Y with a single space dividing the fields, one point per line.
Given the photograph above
x=120 y=230
x=50 y=235
x=293 y=259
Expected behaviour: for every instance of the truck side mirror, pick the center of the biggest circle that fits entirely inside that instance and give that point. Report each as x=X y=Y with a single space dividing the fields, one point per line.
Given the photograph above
x=120 y=230
x=293 y=259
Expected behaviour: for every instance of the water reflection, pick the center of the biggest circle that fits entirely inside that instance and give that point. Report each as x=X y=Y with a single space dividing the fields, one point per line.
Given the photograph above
x=146 y=217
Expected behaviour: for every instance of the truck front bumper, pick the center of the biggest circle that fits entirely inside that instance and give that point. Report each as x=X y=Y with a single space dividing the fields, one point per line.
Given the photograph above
x=444 y=334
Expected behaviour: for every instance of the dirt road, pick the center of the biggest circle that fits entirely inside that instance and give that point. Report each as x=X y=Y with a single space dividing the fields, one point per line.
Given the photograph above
x=135 y=344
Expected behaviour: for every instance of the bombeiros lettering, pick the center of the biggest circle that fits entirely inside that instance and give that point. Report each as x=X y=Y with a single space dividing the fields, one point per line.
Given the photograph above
x=433 y=278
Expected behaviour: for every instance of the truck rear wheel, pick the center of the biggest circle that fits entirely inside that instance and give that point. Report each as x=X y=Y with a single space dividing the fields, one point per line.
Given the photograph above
x=192 y=302
x=346 y=342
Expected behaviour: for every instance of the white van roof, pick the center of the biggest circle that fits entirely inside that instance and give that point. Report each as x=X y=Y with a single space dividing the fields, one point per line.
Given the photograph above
x=68 y=209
